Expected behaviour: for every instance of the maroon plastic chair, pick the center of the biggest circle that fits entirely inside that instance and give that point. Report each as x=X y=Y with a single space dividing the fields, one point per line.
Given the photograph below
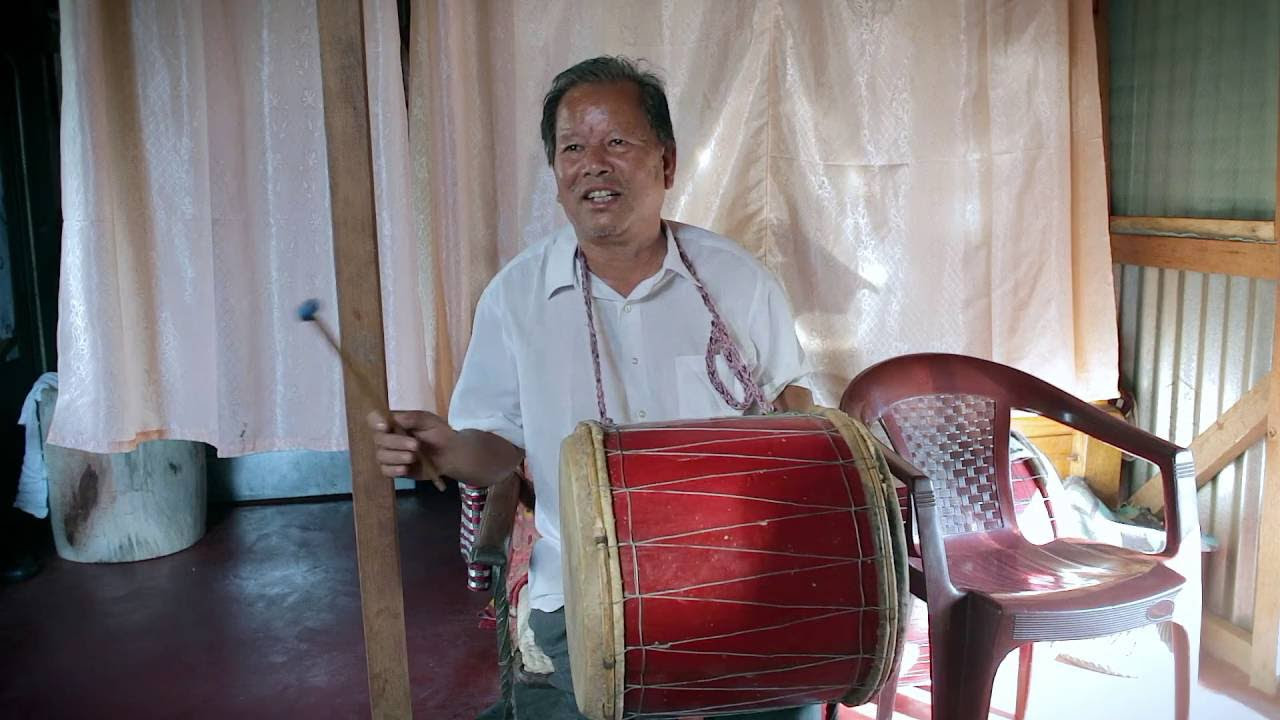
x=989 y=590
x=1027 y=476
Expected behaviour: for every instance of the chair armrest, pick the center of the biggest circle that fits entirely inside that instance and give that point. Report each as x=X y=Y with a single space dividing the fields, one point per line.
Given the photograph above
x=933 y=554
x=1182 y=511
x=496 y=521
x=1176 y=465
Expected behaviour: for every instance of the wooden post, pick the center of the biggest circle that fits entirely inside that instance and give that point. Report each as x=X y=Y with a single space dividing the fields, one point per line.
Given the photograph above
x=1099 y=464
x=1223 y=640
x=1266 y=594
x=1102 y=45
x=355 y=254
x=1075 y=453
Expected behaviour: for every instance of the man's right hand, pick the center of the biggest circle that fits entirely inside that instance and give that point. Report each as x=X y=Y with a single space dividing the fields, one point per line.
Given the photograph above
x=421 y=433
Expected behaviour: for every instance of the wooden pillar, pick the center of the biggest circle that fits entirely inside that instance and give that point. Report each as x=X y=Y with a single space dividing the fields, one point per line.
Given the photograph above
x=1266 y=594
x=1102 y=42
x=355 y=254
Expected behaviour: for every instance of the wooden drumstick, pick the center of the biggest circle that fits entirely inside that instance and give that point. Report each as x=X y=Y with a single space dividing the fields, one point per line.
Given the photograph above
x=308 y=312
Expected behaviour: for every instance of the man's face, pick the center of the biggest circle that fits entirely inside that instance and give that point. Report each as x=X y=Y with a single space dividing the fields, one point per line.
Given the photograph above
x=611 y=170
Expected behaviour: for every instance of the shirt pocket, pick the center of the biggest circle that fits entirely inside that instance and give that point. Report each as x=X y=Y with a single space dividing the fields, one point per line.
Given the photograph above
x=697 y=397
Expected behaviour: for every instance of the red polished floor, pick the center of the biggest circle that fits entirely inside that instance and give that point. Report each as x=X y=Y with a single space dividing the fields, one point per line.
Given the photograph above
x=261 y=618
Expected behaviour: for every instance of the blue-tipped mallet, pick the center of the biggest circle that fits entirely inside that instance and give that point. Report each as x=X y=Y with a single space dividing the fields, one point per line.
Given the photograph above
x=308 y=312
x=308 y=309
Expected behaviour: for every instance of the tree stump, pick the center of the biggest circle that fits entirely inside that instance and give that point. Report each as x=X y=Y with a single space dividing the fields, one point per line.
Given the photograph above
x=122 y=507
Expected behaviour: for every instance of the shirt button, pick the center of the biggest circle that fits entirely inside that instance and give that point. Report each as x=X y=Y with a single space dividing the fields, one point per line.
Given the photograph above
x=642 y=414
x=626 y=308
x=635 y=361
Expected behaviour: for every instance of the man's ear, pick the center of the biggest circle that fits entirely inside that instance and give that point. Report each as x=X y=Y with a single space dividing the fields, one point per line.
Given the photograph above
x=669 y=165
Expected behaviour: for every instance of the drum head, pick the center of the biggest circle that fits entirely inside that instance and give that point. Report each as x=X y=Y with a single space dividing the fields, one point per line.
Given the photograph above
x=592 y=583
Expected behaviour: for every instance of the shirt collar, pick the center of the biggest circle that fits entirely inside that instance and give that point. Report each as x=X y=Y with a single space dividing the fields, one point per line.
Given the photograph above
x=562 y=271
x=672 y=261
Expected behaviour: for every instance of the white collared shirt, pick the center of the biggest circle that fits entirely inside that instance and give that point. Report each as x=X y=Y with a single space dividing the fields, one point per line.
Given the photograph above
x=528 y=375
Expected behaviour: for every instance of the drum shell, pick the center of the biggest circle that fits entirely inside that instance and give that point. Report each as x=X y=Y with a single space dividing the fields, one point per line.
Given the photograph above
x=730 y=564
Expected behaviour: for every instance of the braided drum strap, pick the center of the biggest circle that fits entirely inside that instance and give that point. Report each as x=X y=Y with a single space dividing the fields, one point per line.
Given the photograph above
x=591 y=333
x=722 y=344
x=719 y=344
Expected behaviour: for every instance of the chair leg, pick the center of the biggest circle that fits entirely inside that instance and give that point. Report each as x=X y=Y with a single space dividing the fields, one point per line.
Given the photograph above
x=887 y=695
x=1182 y=679
x=506 y=653
x=1024 y=681
x=1185 y=643
x=971 y=700
x=945 y=678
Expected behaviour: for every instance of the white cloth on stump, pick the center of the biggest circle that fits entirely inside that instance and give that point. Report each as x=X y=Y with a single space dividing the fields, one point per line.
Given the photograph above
x=33 y=481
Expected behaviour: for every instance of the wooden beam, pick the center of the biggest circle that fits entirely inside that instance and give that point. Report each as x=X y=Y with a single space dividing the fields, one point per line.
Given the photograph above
x=1099 y=464
x=355 y=255
x=1266 y=593
x=1219 y=444
x=1207 y=228
x=1229 y=257
x=1222 y=639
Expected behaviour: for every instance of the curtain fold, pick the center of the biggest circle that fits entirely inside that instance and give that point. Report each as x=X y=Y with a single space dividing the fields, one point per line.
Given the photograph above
x=921 y=176
x=196 y=219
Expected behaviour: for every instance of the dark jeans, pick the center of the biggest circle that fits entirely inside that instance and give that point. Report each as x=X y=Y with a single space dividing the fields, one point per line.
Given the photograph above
x=557 y=703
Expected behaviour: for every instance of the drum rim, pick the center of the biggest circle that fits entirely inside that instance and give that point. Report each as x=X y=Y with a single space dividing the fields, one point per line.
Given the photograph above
x=891 y=537
x=599 y=682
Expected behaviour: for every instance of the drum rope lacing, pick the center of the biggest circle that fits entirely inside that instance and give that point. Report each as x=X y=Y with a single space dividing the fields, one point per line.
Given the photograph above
x=719 y=344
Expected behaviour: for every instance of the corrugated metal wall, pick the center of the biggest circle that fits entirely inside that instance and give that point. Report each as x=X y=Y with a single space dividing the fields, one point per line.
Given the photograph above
x=1193 y=107
x=1193 y=98
x=1192 y=345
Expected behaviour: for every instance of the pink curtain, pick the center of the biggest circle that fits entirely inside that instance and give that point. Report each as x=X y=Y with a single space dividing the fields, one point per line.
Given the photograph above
x=921 y=175
x=196 y=219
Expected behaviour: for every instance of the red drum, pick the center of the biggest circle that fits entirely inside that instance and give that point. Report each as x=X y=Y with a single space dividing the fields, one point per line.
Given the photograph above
x=727 y=565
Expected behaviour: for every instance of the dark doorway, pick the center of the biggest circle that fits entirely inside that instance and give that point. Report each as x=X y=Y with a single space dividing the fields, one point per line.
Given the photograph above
x=30 y=235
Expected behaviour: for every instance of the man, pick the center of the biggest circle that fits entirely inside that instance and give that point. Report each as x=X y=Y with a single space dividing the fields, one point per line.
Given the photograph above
x=603 y=320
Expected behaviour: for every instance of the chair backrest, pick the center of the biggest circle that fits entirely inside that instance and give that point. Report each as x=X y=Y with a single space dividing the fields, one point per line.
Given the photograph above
x=949 y=416
x=954 y=438
x=948 y=401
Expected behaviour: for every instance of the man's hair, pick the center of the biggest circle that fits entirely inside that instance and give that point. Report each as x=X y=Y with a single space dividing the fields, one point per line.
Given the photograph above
x=606 y=69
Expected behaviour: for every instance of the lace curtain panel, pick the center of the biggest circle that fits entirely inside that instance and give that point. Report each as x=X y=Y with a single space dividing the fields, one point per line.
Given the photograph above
x=921 y=176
